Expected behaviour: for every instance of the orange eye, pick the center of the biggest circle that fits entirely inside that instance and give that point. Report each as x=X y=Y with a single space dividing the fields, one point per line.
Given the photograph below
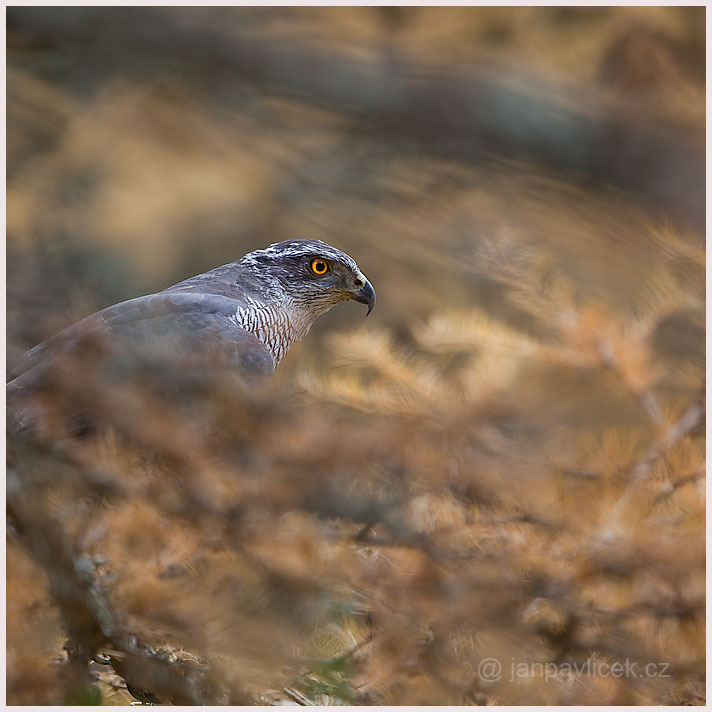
x=319 y=266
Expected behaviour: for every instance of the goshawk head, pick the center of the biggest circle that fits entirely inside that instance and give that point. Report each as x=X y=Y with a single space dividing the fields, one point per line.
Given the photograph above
x=314 y=275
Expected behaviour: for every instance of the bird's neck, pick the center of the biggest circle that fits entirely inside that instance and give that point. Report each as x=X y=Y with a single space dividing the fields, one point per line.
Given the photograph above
x=276 y=325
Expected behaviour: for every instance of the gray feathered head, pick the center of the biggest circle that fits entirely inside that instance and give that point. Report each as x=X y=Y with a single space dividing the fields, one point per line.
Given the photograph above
x=315 y=275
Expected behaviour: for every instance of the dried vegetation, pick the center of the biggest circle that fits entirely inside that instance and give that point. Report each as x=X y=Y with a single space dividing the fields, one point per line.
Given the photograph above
x=506 y=461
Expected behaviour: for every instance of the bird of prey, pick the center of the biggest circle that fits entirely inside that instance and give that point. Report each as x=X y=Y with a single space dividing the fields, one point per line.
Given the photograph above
x=246 y=314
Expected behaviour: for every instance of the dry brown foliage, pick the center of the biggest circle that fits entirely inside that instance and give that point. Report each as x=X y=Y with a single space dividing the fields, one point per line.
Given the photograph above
x=505 y=462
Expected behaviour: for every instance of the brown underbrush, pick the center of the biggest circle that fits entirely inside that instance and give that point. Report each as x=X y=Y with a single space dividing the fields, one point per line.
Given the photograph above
x=492 y=490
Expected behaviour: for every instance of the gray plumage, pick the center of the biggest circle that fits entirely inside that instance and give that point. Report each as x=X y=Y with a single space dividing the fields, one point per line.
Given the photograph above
x=246 y=314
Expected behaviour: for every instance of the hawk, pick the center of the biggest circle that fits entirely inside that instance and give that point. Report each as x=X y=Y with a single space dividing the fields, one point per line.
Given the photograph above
x=247 y=314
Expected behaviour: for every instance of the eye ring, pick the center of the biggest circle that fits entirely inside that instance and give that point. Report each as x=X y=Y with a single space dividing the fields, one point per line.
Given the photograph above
x=319 y=266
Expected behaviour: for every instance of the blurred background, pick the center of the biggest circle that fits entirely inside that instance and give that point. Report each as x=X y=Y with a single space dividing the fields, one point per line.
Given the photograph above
x=506 y=461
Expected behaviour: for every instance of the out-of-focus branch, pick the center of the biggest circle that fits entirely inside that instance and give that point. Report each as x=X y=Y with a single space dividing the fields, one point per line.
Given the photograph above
x=692 y=417
x=459 y=115
x=93 y=624
x=681 y=482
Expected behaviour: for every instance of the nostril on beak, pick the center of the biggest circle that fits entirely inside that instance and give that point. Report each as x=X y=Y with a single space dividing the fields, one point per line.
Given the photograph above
x=358 y=283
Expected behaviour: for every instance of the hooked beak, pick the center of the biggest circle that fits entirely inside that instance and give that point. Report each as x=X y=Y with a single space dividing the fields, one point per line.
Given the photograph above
x=365 y=295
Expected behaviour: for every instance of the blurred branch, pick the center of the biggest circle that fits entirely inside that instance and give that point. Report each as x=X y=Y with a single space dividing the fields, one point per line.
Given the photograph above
x=459 y=115
x=93 y=624
x=681 y=482
x=689 y=421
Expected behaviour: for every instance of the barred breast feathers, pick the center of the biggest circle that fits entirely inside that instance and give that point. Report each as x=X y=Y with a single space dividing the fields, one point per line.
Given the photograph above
x=271 y=324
